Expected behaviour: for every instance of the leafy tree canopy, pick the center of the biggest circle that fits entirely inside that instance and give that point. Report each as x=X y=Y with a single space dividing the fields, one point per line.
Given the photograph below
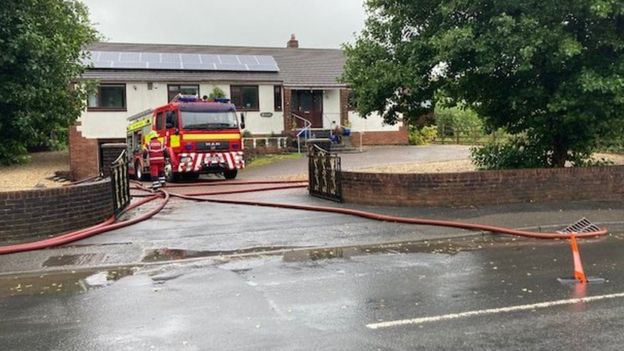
x=40 y=56
x=550 y=69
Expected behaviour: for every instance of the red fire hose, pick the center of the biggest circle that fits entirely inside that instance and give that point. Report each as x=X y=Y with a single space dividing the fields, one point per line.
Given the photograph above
x=395 y=219
x=110 y=224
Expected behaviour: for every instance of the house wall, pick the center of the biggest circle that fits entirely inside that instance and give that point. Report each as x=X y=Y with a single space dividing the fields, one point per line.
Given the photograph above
x=373 y=131
x=331 y=108
x=255 y=123
x=372 y=123
x=111 y=125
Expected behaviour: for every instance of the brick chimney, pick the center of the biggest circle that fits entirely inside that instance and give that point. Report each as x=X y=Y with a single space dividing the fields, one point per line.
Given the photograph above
x=293 y=42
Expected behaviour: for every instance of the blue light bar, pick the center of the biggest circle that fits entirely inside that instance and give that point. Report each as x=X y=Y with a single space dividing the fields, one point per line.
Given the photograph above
x=222 y=100
x=185 y=98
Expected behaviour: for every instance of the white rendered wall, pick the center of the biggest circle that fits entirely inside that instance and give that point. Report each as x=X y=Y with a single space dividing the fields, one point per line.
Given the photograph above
x=331 y=112
x=373 y=123
x=100 y=124
x=104 y=125
x=331 y=108
x=256 y=124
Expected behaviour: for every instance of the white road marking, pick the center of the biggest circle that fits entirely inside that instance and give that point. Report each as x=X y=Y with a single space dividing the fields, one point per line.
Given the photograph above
x=534 y=306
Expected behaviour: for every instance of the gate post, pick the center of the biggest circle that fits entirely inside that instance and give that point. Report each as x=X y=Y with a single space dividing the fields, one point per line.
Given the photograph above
x=120 y=183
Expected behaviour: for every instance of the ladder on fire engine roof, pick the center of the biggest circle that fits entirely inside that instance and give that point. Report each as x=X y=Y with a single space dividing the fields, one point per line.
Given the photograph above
x=140 y=114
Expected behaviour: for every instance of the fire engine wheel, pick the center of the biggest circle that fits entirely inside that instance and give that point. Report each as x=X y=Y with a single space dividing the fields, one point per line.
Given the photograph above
x=231 y=174
x=169 y=176
x=138 y=171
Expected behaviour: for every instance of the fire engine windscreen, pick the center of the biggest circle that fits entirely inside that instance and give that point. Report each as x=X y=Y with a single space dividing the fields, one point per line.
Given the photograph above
x=203 y=120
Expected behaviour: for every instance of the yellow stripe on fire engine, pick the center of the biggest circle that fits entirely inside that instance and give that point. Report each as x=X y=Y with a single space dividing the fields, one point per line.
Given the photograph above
x=139 y=124
x=212 y=136
x=174 y=140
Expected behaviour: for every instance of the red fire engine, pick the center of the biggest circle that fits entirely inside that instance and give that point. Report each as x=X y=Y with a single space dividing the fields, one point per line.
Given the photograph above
x=199 y=137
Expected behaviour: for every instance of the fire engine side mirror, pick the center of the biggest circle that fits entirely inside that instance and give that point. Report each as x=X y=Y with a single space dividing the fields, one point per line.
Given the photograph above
x=242 y=123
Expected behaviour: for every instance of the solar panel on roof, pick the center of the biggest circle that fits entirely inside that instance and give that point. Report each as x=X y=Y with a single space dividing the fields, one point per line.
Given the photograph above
x=209 y=58
x=173 y=61
x=229 y=59
x=150 y=57
x=129 y=65
x=230 y=67
x=108 y=56
x=200 y=66
x=193 y=59
x=173 y=58
x=130 y=57
x=265 y=60
x=248 y=60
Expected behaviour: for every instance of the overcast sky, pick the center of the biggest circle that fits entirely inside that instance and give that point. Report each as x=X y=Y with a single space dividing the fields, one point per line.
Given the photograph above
x=317 y=23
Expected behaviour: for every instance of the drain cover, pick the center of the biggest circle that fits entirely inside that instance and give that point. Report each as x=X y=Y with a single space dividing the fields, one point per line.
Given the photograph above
x=583 y=225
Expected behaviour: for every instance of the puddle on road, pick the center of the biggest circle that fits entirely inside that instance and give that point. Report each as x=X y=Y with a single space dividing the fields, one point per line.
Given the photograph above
x=74 y=260
x=299 y=254
x=158 y=255
x=449 y=247
x=59 y=283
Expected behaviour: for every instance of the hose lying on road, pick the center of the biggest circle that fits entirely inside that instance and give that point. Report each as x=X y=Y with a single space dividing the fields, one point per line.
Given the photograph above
x=236 y=182
x=111 y=224
x=395 y=219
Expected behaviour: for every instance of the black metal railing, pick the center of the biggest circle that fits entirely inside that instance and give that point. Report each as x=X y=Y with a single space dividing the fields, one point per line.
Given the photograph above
x=120 y=183
x=324 y=177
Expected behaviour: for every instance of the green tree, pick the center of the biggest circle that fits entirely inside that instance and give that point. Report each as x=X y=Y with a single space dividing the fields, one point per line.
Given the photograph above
x=41 y=44
x=216 y=93
x=553 y=70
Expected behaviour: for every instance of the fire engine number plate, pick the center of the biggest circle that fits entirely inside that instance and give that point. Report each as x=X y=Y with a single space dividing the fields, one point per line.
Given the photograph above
x=213 y=159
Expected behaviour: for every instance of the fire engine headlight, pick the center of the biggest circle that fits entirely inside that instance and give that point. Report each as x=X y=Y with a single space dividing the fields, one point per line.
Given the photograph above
x=185 y=159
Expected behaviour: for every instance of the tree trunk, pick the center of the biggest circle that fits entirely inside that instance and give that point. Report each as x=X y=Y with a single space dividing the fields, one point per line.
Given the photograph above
x=560 y=152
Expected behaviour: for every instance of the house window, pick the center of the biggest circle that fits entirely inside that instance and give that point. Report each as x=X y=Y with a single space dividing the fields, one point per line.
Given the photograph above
x=109 y=97
x=277 y=97
x=245 y=97
x=184 y=89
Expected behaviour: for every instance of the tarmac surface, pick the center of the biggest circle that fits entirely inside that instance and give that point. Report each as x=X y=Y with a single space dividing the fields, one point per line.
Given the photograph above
x=204 y=276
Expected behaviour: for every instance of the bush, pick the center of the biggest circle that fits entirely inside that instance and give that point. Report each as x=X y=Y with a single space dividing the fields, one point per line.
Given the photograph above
x=458 y=122
x=522 y=151
x=511 y=152
x=424 y=135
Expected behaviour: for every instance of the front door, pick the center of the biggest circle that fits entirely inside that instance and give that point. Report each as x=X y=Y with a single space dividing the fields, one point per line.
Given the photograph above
x=309 y=105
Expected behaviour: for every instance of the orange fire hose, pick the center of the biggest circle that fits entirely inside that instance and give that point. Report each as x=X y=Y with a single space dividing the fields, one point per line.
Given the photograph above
x=110 y=224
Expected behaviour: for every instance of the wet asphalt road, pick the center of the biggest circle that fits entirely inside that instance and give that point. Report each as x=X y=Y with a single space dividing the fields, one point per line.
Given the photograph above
x=324 y=299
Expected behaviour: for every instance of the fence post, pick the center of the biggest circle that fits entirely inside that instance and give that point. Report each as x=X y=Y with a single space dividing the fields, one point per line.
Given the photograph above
x=120 y=183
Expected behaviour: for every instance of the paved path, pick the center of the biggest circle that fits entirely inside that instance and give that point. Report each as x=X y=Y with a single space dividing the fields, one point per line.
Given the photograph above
x=376 y=156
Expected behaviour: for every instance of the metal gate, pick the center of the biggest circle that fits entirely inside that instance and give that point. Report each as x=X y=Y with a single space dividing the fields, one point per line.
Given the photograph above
x=324 y=174
x=120 y=183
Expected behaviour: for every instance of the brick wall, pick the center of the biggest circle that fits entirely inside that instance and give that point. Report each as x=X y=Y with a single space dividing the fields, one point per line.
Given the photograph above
x=399 y=137
x=484 y=187
x=35 y=214
x=288 y=122
x=109 y=154
x=344 y=106
x=83 y=155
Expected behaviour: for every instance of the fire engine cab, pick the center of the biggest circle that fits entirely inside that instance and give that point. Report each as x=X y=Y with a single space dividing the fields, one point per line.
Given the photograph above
x=199 y=137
